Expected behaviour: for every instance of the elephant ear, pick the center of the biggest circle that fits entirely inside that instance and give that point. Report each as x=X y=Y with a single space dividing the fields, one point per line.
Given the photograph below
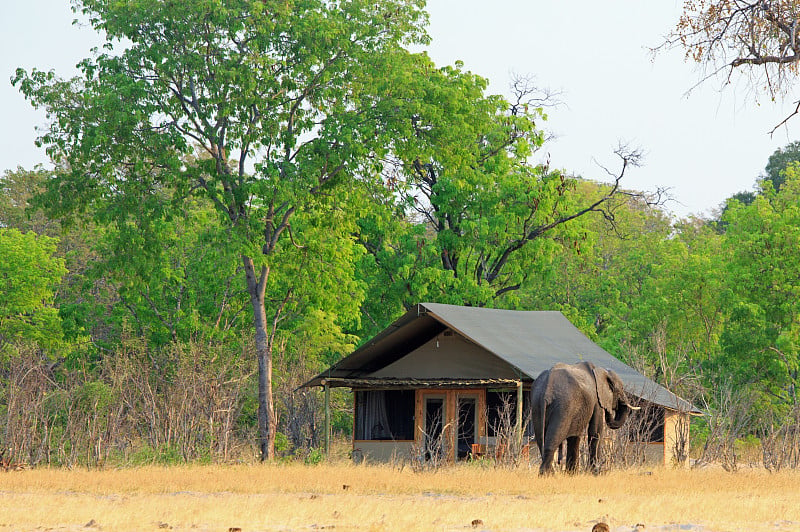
x=604 y=392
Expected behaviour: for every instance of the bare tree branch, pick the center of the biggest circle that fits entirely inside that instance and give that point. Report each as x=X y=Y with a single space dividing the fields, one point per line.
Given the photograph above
x=757 y=38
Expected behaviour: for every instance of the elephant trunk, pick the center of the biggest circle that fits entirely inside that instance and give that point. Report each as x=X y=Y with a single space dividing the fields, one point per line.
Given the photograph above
x=620 y=416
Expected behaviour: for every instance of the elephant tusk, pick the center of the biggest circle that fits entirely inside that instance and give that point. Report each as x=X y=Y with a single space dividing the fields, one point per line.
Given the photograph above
x=634 y=407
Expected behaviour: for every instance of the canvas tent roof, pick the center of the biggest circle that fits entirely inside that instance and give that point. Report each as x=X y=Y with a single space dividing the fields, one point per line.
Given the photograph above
x=528 y=341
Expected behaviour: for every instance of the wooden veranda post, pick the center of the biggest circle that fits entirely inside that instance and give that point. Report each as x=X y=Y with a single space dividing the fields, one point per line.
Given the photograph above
x=519 y=414
x=327 y=388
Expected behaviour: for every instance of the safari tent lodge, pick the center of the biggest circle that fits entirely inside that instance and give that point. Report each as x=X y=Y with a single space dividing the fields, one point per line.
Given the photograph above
x=462 y=376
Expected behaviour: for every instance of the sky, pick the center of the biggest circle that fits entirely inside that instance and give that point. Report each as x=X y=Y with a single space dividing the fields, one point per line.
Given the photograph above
x=704 y=143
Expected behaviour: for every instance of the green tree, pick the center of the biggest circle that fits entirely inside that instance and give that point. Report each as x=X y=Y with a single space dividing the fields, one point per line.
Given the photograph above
x=275 y=101
x=29 y=276
x=600 y=275
x=762 y=338
x=17 y=188
x=646 y=288
x=174 y=278
x=477 y=211
x=682 y=308
x=84 y=300
x=779 y=161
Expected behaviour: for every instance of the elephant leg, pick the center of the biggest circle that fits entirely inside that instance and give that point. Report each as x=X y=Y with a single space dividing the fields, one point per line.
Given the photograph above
x=573 y=453
x=594 y=459
x=547 y=460
x=595 y=433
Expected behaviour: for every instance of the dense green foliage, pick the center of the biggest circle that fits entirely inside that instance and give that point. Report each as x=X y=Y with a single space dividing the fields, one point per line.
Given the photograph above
x=29 y=275
x=763 y=240
x=289 y=168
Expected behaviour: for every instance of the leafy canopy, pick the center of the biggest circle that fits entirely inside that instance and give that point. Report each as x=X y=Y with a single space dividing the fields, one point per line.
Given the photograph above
x=29 y=277
x=763 y=337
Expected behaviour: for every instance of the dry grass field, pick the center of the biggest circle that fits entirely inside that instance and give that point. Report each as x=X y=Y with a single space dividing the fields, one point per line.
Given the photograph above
x=347 y=497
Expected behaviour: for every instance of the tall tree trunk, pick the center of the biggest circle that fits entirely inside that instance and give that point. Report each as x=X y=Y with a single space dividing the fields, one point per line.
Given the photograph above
x=267 y=422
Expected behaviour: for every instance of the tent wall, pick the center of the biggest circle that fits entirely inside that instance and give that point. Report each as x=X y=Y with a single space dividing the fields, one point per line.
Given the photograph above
x=676 y=430
x=448 y=356
x=652 y=453
x=463 y=422
x=373 y=450
x=382 y=451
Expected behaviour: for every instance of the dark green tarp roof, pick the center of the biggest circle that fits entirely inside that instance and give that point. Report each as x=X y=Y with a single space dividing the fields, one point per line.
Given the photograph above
x=529 y=341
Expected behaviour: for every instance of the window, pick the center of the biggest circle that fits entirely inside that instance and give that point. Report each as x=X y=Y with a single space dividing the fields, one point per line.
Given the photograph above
x=501 y=412
x=647 y=425
x=384 y=415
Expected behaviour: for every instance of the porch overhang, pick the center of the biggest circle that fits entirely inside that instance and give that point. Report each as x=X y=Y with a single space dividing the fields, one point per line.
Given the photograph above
x=395 y=383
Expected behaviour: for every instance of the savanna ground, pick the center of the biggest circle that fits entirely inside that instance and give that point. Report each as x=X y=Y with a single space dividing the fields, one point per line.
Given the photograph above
x=341 y=496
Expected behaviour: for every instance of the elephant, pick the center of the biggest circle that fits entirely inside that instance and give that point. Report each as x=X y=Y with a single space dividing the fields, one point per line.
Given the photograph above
x=570 y=401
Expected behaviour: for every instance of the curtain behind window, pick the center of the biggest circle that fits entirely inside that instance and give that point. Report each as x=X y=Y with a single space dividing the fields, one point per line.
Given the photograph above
x=372 y=422
x=384 y=415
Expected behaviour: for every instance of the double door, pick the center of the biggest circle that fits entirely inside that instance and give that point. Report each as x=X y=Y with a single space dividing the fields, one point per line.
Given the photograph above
x=451 y=422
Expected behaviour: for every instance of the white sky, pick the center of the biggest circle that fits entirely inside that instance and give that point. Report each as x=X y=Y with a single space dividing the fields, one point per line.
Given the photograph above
x=704 y=146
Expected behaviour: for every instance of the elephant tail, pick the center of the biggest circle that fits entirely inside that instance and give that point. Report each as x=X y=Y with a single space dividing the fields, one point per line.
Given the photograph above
x=543 y=425
x=544 y=422
x=547 y=398
x=540 y=397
